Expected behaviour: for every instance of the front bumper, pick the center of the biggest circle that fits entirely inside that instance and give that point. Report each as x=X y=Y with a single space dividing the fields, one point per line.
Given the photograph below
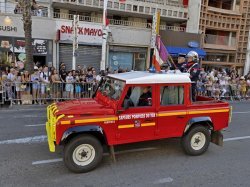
x=51 y=142
x=51 y=126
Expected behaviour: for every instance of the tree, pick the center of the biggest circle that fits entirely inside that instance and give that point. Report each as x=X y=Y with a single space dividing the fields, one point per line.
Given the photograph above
x=27 y=27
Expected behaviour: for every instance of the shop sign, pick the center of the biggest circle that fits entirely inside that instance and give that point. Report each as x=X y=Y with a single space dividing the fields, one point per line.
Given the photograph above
x=6 y=44
x=193 y=44
x=8 y=28
x=87 y=33
x=39 y=46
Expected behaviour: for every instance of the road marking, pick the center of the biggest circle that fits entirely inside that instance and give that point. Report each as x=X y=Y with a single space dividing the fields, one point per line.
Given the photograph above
x=24 y=109
x=24 y=116
x=104 y=154
x=26 y=140
x=164 y=180
x=36 y=125
x=47 y=161
x=160 y=181
x=246 y=112
x=236 y=138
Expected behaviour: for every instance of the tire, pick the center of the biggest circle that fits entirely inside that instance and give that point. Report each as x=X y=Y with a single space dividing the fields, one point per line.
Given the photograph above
x=200 y=134
x=83 y=154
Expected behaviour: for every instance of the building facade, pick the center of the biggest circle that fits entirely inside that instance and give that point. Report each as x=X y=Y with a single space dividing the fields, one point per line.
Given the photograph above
x=129 y=39
x=225 y=26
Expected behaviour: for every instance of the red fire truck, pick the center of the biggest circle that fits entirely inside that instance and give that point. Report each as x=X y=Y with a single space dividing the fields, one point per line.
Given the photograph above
x=134 y=107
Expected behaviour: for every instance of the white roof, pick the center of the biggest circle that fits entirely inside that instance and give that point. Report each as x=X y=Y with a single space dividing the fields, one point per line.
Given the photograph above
x=142 y=77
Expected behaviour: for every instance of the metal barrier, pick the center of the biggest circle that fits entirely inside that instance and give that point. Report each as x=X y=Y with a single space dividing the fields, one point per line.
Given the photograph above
x=41 y=93
x=2 y=94
x=227 y=92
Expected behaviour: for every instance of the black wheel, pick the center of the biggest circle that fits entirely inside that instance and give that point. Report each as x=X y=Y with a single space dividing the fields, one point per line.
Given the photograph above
x=196 y=141
x=83 y=154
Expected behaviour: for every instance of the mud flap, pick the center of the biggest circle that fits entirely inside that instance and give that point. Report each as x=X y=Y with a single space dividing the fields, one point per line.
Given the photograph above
x=217 y=138
x=112 y=153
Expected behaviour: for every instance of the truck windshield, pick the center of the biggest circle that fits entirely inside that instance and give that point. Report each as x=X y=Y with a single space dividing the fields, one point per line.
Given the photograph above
x=112 y=88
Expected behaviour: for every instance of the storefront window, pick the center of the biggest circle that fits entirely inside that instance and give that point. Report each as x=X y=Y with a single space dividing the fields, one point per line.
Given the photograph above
x=121 y=60
x=6 y=51
x=127 y=61
x=13 y=50
x=139 y=61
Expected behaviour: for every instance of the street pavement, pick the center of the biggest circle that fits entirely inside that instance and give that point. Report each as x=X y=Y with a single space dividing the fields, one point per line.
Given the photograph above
x=26 y=161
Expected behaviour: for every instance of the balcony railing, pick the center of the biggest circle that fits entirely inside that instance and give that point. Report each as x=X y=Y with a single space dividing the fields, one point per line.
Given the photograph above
x=163 y=2
x=44 y=13
x=220 y=40
x=117 y=22
x=41 y=12
x=223 y=19
x=173 y=28
x=174 y=10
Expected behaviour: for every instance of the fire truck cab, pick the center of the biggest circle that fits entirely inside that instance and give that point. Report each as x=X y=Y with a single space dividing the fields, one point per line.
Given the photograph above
x=134 y=107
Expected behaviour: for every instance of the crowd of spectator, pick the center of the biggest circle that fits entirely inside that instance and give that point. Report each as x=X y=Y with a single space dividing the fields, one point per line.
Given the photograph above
x=224 y=84
x=46 y=84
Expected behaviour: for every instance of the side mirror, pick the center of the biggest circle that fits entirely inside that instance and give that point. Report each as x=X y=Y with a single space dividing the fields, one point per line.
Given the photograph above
x=120 y=111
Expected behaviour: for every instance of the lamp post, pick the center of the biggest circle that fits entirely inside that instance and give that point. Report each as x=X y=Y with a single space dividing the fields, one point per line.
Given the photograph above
x=75 y=40
x=104 y=35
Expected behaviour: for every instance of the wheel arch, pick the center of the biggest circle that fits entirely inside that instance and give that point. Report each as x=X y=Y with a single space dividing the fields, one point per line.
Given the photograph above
x=204 y=121
x=92 y=129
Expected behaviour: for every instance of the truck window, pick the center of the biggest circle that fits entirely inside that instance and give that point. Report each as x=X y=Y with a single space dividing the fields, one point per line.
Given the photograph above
x=112 y=88
x=172 y=95
x=138 y=96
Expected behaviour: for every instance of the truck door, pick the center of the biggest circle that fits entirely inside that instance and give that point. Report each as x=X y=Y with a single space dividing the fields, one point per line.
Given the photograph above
x=137 y=117
x=172 y=111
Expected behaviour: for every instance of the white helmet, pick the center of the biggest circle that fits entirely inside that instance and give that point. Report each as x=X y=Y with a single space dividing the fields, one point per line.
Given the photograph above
x=193 y=54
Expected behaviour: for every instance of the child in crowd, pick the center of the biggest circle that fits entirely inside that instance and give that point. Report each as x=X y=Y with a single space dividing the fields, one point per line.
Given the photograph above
x=243 y=87
x=69 y=85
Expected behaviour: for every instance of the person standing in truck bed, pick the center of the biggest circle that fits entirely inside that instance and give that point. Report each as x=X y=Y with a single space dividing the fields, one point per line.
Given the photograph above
x=193 y=68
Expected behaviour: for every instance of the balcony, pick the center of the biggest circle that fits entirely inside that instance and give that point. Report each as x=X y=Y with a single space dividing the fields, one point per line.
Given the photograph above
x=117 y=22
x=219 y=42
x=224 y=11
x=147 y=8
x=218 y=21
x=12 y=9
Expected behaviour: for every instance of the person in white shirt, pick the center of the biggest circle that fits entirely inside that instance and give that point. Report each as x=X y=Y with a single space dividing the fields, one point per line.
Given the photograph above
x=69 y=85
x=11 y=75
x=10 y=86
x=35 y=80
x=44 y=77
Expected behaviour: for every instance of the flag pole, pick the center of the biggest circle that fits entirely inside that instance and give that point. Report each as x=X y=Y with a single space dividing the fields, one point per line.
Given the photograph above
x=104 y=35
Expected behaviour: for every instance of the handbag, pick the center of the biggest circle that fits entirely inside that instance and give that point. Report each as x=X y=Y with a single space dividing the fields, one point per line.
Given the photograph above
x=23 y=86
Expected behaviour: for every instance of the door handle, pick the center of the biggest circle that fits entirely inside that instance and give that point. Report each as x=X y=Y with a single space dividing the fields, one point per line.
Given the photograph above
x=180 y=116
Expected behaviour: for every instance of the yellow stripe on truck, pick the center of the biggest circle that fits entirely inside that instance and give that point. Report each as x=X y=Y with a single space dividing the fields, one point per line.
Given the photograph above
x=147 y=124
x=207 y=111
x=163 y=114
x=126 y=126
x=65 y=122
x=95 y=120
